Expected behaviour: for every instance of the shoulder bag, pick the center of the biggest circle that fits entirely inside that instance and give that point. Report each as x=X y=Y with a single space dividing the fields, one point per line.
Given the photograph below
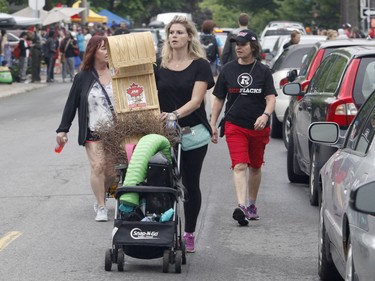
x=105 y=94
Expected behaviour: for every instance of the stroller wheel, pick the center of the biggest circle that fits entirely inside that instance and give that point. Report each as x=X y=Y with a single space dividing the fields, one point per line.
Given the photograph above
x=120 y=260
x=108 y=260
x=183 y=250
x=166 y=261
x=178 y=261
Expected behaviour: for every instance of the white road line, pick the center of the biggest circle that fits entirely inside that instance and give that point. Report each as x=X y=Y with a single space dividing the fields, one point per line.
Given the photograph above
x=8 y=238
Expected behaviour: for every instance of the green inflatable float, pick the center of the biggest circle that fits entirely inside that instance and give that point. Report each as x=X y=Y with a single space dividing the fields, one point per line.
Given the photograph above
x=136 y=173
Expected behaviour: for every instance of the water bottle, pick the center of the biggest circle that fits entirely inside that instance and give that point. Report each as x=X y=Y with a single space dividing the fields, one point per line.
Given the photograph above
x=167 y=215
x=171 y=121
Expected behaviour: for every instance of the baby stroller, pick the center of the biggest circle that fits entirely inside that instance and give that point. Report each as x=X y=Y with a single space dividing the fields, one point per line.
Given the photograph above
x=147 y=223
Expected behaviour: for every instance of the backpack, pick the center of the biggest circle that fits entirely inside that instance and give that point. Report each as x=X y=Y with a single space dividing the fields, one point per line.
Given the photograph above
x=17 y=51
x=210 y=46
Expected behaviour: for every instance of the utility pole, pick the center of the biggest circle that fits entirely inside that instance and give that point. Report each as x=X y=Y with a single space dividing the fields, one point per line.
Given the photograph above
x=85 y=12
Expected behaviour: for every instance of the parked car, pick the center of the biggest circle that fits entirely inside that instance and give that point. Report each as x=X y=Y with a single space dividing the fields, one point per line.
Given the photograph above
x=283 y=39
x=337 y=90
x=291 y=58
x=347 y=210
x=13 y=40
x=268 y=44
x=313 y=59
x=281 y=28
x=156 y=36
x=272 y=31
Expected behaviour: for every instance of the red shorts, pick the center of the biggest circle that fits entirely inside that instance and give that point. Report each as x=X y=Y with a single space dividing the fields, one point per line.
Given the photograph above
x=246 y=146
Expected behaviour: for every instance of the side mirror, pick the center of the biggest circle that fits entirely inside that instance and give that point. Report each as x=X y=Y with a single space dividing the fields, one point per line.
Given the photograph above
x=292 y=75
x=362 y=199
x=324 y=132
x=292 y=89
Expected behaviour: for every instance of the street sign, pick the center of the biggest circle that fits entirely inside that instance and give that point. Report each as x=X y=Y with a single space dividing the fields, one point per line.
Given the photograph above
x=37 y=4
x=367 y=12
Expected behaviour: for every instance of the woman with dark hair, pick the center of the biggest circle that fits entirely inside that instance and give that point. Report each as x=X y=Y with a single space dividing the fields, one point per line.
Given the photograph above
x=91 y=94
x=247 y=85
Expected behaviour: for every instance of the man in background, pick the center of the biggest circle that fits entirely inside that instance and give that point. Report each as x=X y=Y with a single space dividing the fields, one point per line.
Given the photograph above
x=36 y=54
x=295 y=37
x=229 y=50
x=122 y=29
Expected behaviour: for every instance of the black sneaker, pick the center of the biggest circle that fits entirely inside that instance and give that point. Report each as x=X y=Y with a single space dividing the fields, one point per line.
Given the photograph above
x=239 y=215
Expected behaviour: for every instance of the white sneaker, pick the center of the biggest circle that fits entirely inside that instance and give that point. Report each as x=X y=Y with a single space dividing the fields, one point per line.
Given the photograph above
x=102 y=214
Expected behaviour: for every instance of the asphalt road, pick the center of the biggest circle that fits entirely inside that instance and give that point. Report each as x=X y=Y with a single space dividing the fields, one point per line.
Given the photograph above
x=47 y=227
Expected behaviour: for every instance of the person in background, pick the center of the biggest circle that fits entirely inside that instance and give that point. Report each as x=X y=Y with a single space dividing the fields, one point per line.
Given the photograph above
x=331 y=34
x=248 y=86
x=341 y=34
x=49 y=56
x=229 y=50
x=347 y=29
x=67 y=54
x=88 y=96
x=183 y=76
x=87 y=35
x=36 y=54
x=295 y=37
x=24 y=55
x=5 y=52
x=122 y=29
x=81 y=42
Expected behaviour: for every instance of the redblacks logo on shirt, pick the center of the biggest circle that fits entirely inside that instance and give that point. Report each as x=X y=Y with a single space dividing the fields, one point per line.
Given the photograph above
x=245 y=80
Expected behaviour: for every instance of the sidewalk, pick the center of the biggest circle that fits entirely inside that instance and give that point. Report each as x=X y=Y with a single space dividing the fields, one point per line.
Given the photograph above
x=18 y=88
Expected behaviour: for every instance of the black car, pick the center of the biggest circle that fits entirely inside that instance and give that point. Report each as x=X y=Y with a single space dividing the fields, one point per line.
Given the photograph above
x=337 y=90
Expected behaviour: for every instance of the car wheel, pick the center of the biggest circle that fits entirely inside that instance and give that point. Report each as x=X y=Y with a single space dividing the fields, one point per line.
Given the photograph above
x=293 y=177
x=286 y=127
x=276 y=127
x=326 y=268
x=314 y=178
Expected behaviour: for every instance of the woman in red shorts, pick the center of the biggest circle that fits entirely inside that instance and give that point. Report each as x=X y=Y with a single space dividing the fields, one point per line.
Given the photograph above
x=248 y=86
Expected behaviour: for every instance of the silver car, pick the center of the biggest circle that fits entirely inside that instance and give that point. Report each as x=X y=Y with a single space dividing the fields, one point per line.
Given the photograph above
x=347 y=221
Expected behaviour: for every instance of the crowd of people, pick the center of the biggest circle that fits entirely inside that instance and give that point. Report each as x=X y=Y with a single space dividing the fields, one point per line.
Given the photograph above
x=56 y=46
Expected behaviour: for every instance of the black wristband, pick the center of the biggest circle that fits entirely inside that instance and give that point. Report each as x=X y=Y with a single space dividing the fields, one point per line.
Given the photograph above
x=269 y=115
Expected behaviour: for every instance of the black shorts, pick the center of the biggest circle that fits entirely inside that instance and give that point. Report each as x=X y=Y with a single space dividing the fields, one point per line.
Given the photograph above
x=91 y=136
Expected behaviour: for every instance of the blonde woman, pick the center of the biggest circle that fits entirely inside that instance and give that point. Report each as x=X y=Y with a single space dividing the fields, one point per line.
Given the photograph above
x=183 y=76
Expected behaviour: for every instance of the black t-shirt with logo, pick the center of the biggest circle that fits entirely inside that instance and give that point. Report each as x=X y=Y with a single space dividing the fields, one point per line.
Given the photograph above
x=234 y=82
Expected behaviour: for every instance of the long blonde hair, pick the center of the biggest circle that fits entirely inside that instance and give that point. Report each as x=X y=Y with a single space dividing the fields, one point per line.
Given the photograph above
x=195 y=49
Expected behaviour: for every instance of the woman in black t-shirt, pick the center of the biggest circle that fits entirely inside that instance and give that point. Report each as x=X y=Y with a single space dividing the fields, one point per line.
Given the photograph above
x=183 y=76
x=248 y=86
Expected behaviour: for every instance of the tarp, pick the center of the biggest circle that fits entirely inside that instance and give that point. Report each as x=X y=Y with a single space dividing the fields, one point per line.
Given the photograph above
x=61 y=14
x=113 y=18
x=92 y=17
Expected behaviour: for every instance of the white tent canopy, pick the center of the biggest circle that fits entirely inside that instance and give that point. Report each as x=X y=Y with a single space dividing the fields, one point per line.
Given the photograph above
x=30 y=12
x=10 y=21
x=61 y=15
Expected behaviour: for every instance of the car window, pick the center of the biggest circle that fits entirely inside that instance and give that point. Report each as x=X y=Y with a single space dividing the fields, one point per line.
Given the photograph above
x=336 y=73
x=363 y=128
x=307 y=61
x=318 y=81
x=278 y=32
x=365 y=80
x=290 y=59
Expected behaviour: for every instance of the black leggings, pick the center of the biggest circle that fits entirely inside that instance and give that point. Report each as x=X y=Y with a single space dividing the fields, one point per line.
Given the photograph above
x=191 y=167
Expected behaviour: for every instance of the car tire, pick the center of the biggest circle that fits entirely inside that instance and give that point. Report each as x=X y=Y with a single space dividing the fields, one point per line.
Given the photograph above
x=293 y=177
x=287 y=122
x=314 y=184
x=276 y=127
x=326 y=268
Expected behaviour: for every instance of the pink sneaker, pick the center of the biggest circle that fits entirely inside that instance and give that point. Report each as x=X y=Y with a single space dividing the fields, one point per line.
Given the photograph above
x=189 y=242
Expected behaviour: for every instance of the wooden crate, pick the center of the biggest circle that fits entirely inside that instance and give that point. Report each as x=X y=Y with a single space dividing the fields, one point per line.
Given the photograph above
x=131 y=60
